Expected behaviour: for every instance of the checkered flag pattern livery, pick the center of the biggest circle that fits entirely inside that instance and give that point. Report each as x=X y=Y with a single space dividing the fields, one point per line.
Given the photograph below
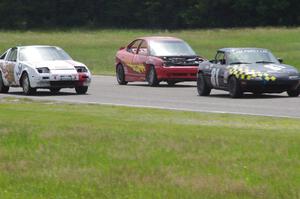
x=245 y=73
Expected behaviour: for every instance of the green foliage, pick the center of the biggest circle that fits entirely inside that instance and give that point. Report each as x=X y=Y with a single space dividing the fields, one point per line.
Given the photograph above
x=97 y=48
x=163 y=14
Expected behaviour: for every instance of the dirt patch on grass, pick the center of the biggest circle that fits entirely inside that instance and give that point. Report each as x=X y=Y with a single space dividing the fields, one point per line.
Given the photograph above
x=217 y=185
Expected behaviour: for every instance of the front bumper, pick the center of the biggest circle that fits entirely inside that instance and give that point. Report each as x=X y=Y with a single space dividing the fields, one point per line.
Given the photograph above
x=263 y=86
x=62 y=80
x=177 y=73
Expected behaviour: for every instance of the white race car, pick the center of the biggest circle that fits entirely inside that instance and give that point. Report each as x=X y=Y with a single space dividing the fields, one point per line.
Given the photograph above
x=46 y=67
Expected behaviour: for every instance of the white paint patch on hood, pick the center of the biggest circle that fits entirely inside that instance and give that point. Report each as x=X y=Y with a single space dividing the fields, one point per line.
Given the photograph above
x=56 y=65
x=274 y=67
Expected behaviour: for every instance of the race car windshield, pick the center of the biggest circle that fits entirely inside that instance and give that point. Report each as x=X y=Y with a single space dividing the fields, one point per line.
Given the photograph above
x=251 y=56
x=170 y=48
x=43 y=54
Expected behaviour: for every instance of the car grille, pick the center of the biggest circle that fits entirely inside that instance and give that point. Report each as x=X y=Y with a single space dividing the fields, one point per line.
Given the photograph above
x=63 y=83
x=181 y=61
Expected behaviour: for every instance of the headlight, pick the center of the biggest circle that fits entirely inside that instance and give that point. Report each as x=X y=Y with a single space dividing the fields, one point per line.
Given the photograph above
x=294 y=77
x=81 y=69
x=43 y=70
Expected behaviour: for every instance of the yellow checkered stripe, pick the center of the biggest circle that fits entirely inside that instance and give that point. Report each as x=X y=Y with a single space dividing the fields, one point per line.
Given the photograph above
x=247 y=74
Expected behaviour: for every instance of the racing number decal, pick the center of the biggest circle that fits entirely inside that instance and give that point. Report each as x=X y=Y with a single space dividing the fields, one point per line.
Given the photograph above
x=215 y=77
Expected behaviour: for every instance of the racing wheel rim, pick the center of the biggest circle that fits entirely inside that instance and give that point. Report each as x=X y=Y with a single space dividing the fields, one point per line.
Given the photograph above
x=119 y=73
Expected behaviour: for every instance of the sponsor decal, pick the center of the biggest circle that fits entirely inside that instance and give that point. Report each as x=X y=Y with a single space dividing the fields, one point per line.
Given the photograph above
x=249 y=51
x=140 y=68
x=19 y=69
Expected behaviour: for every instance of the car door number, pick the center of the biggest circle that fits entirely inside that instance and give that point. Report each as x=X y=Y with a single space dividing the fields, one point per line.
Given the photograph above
x=215 y=77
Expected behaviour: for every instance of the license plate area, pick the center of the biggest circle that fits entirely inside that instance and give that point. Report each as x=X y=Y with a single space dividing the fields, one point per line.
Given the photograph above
x=66 y=78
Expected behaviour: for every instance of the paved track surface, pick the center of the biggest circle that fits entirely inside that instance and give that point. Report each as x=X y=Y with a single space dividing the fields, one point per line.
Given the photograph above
x=183 y=96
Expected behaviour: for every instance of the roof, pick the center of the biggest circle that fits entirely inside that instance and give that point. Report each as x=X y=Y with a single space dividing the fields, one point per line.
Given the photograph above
x=35 y=46
x=155 y=38
x=236 y=49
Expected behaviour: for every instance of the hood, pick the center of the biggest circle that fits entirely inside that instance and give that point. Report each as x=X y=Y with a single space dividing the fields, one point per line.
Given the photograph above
x=271 y=68
x=55 y=65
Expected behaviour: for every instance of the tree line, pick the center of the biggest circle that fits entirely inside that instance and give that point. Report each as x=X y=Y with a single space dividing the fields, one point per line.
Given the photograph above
x=162 y=14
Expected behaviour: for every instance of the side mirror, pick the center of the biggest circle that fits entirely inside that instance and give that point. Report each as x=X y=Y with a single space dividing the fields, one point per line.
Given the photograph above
x=280 y=60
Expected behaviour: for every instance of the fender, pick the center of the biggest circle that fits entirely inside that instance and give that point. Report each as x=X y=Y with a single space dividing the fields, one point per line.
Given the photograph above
x=205 y=67
x=118 y=61
x=147 y=67
x=154 y=61
x=25 y=70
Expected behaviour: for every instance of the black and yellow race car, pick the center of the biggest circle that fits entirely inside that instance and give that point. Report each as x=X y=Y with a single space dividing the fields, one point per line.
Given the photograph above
x=240 y=70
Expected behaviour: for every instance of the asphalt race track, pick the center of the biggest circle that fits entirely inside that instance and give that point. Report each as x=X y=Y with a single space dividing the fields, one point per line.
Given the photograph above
x=183 y=96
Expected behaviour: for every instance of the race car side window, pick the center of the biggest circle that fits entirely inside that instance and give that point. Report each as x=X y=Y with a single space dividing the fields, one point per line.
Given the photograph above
x=3 y=56
x=220 y=58
x=143 y=50
x=12 y=56
x=132 y=48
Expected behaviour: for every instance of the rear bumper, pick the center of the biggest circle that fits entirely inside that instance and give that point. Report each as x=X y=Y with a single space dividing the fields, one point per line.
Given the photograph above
x=177 y=73
x=262 y=86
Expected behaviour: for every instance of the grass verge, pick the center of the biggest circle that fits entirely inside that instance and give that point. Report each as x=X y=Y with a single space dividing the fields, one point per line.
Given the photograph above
x=50 y=150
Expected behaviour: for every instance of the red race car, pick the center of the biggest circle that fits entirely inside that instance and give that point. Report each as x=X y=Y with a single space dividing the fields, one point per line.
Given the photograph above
x=156 y=59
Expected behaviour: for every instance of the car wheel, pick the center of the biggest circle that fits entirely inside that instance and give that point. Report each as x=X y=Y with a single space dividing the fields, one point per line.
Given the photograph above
x=152 y=77
x=202 y=87
x=294 y=93
x=27 y=89
x=120 y=73
x=257 y=94
x=234 y=87
x=3 y=88
x=54 y=90
x=171 y=83
x=81 y=89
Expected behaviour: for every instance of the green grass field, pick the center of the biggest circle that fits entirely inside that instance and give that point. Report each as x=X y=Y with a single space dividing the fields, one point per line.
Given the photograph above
x=67 y=151
x=97 y=48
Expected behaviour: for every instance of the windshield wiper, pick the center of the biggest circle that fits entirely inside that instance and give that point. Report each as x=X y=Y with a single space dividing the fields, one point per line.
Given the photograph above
x=233 y=63
x=261 y=62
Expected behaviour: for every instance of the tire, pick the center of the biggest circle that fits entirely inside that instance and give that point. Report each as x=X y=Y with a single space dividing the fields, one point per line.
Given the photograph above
x=257 y=94
x=3 y=88
x=120 y=74
x=294 y=93
x=152 y=77
x=171 y=83
x=81 y=90
x=202 y=86
x=54 y=90
x=234 y=88
x=27 y=89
